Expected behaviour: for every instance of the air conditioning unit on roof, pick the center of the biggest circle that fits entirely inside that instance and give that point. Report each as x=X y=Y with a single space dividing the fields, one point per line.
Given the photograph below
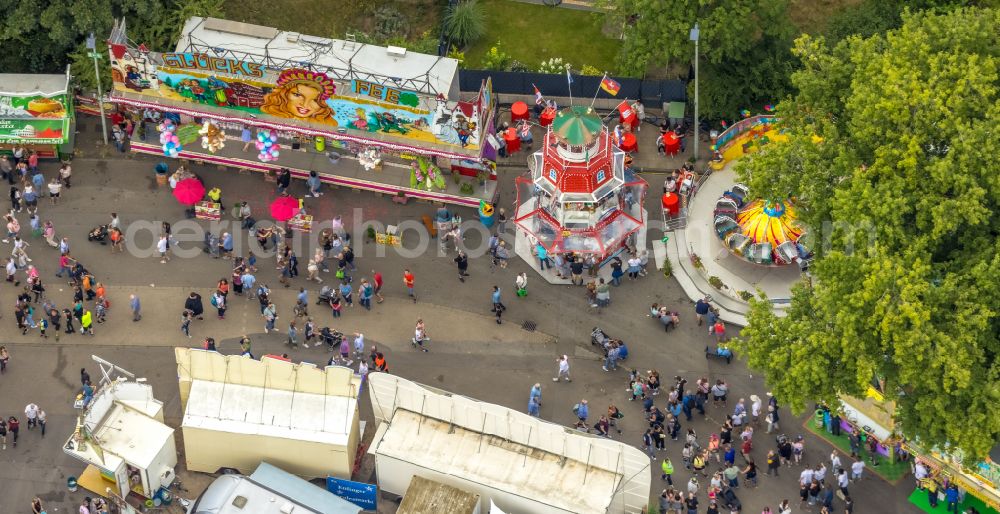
x=396 y=51
x=292 y=37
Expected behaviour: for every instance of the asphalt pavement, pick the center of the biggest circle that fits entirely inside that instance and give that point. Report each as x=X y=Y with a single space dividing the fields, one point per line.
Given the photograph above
x=470 y=354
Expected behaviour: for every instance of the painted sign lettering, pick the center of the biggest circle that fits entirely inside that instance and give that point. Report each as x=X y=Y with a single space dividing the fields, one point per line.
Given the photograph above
x=188 y=61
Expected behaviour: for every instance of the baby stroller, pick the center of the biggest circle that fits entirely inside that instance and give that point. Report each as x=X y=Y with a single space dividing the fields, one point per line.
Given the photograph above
x=331 y=337
x=325 y=295
x=729 y=500
x=599 y=338
x=98 y=234
x=211 y=243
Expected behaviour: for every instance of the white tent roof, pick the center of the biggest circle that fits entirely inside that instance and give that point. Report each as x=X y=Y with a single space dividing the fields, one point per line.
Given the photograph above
x=23 y=84
x=507 y=450
x=374 y=63
x=244 y=409
x=132 y=436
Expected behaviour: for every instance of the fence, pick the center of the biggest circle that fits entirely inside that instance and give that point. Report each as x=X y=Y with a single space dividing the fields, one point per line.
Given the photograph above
x=652 y=93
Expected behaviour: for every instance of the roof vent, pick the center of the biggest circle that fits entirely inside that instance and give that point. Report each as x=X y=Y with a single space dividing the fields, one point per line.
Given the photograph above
x=287 y=508
x=396 y=51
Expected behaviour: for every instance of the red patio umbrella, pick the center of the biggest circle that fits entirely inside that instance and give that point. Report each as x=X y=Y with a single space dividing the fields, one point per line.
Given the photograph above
x=284 y=208
x=189 y=191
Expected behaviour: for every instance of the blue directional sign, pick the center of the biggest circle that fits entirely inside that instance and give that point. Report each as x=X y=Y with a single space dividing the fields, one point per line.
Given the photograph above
x=359 y=493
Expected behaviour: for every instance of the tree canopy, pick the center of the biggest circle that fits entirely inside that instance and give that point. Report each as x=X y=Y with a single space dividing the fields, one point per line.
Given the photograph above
x=903 y=196
x=744 y=46
x=38 y=36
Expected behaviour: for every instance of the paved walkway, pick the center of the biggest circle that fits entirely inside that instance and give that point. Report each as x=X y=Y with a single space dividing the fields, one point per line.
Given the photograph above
x=470 y=354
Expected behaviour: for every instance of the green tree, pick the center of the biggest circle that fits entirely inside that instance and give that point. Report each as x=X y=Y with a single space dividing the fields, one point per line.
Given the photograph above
x=465 y=22
x=744 y=46
x=907 y=121
x=38 y=35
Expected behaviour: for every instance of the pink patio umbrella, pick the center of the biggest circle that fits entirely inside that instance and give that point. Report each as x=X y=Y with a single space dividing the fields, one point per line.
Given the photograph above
x=284 y=208
x=189 y=191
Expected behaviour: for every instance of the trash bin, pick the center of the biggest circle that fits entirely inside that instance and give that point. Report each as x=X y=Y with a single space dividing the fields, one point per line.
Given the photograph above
x=71 y=484
x=320 y=144
x=818 y=419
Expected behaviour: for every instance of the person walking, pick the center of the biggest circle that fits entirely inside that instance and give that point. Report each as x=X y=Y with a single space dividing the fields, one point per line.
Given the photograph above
x=219 y=302
x=36 y=506
x=408 y=281
x=31 y=415
x=563 y=363
x=193 y=304
x=3 y=433
x=365 y=293
x=463 y=265
x=292 y=333
x=133 y=302
x=87 y=323
x=582 y=412
x=498 y=306
x=162 y=247
x=533 y=406
x=420 y=335
x=377 y=282
x=270 y=315
x=4 y=359
x=14 y=427
x=186 y=318
x=521 y=283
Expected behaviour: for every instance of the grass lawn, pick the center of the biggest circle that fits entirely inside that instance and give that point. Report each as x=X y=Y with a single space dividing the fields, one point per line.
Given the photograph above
x=811 y=16
x=532 y=33
x=333 y=20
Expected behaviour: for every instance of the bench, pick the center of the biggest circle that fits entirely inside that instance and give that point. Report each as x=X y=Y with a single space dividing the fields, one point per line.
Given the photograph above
x=711 y=353
x=429 y=223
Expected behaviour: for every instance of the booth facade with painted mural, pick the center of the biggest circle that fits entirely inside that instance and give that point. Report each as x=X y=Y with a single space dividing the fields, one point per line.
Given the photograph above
x=283 y=99
x=36 y=114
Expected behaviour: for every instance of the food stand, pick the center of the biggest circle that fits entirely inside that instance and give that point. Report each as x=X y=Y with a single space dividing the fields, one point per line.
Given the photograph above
x=206 y=210
x=301 y=223
x=37 y=113
x=322 y=105
x=121 y=437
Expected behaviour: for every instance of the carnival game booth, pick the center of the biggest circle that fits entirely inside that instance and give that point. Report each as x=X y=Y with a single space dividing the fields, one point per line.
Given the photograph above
x=129 y=451
x=744 y=137
x=580 y=198
x=357 y=114
x=36 y=112
x=518 y=462
x=239 y=412
x=873 y=416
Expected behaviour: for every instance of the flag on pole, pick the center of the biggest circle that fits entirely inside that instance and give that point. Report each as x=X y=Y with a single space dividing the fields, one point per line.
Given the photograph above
x=538 y=94
x=610 y=85
x=569 y=78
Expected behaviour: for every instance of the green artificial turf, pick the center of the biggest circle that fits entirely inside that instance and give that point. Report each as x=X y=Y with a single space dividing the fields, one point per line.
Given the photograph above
x=919 y=498
x=533 y=33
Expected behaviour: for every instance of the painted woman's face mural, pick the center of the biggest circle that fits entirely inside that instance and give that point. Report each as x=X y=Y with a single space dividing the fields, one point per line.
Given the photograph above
x=301 y=94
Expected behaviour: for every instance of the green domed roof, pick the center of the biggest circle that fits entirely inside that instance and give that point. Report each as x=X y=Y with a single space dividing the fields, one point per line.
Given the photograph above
x=577 y=125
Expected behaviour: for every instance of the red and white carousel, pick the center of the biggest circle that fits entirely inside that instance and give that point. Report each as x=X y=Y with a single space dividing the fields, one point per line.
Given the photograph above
x=580 y=198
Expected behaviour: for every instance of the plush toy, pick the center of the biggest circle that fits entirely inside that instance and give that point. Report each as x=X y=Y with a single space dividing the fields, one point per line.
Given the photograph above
x=212 y=137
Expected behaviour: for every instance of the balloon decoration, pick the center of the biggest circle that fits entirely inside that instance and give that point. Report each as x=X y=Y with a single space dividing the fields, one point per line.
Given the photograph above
x=745 y=113
x=171 y=143
x=267 y=145
x=769 y=108
x=212 y=137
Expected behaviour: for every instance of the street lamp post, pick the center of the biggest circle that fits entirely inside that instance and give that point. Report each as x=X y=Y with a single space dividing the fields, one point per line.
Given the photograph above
x=695 y=32
x=92 y=46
